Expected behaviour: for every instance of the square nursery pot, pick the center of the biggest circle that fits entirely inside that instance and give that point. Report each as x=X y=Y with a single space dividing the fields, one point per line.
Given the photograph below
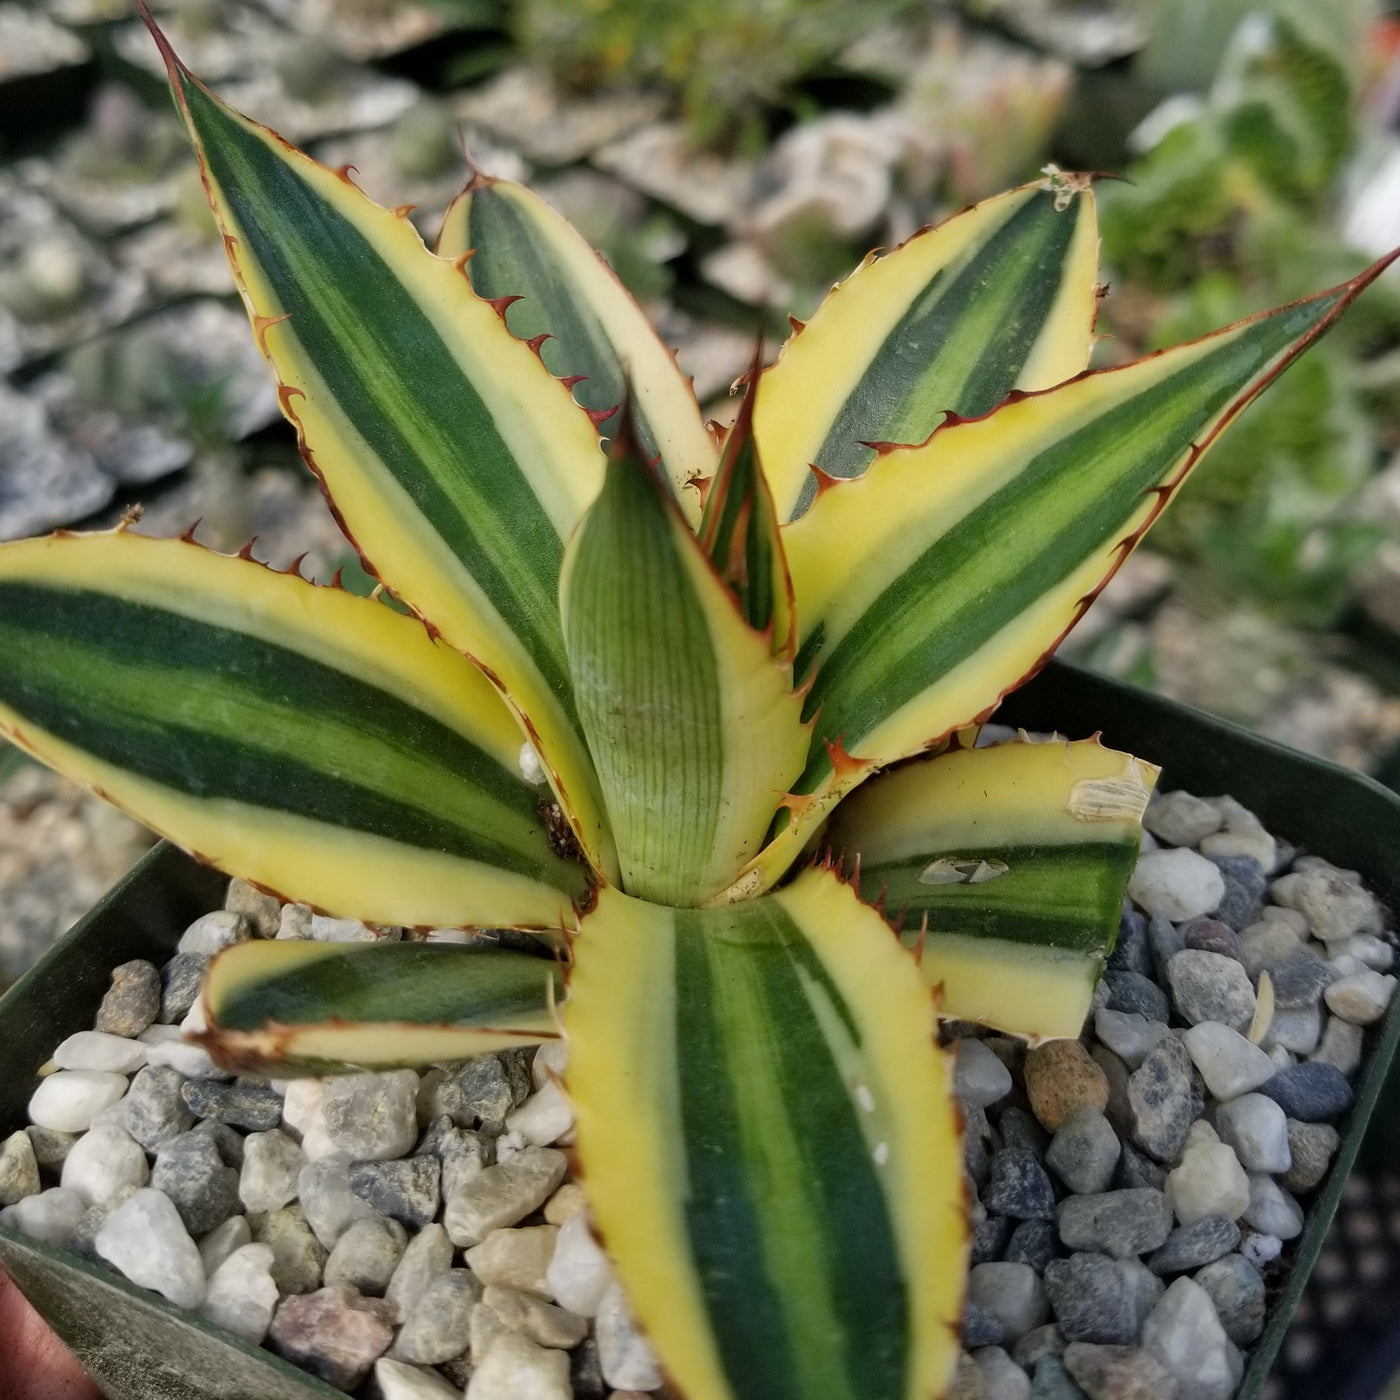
x=139 y=1348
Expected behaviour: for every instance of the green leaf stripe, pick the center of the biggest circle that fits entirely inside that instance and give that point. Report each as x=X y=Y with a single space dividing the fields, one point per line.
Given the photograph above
x=414 y=408
x=787 y=1219
x=219 y=714
x=1072 y=498
x=963 y=343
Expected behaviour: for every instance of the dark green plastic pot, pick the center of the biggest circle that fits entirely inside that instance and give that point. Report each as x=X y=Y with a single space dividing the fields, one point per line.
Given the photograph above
x=139 y=1348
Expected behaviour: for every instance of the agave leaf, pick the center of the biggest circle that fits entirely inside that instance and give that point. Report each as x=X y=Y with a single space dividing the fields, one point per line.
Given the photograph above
x=315 y=743
x=522 y=248
x=314 y=1008
x=999 y=297
x=692 y=722
x=456 y=462
x=1007 y=868
x=769 y=1146
x=945 y=576
x=739 y=531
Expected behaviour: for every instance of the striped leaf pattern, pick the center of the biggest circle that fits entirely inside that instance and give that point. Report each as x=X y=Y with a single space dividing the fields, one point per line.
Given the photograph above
x=456 y=462
x=769 y=1145
x=315 y=1008
x=318 y=744
x=1006 y=867
x=521 y=248
x=692 y=721
x=1000 y=297
x=941 y=579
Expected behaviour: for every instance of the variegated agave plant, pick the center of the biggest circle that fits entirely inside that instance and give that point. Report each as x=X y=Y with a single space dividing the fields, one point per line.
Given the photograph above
x=700 y=664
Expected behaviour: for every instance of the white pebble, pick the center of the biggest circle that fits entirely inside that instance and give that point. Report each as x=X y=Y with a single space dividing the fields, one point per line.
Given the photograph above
x=1334 y=905
x=1180 y=818
x=1362 y=998
x=515 y=1368
x=211 y=933
x=1228 y=1062
x=241 y=1296
x=222 y=1240
x=626 y=1360
x=1341 y=1045
x=399 y=1381
x=1258 y=845
x=1177 y=884
x=1368 y=950
x=550 y=1062
x=295 y=922
x=50 y=1217
x=68 y=1101
x=327 y=930
x=1298 y=1029
x=579 y=1273
x=112 y=1054
x=1272 y=1210
x=101 y=1162
x=1209 y=1181
x=301 y=1104
x=544 y=1118
x=1260 y=1249
x=1129 y=1034
x=1257 y=1128
x=145 y=1240
x=1185 y=1335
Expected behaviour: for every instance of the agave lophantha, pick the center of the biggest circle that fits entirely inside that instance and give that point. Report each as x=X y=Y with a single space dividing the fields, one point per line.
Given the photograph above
x=637 y=678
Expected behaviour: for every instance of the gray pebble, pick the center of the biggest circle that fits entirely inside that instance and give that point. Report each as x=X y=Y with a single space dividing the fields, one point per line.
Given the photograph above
x=251 y=1106
x=272 y=1163
x=213 y=932
x=1038 y=1343
x=1137 y=1169
x=1300 y=981
x=1312 y=1145
x=372 y=1117
x=181 y=978
x=1033 y=1242
x=189 y=1170
x=979 y=1327
x=19 y=1169
x=155 y=1112
x=1211 y=987
x=231 y=1144
x=132 y=1001
x=1256 y=1127
x=1129 y=1034
x=1245 y=887
x=1132 y=992
x=1084 y=1153
x=1143 y=1289
x=979 y=1078
x=1019 y=1186
x=297 y=1255
x=483 y=1090
x=438 y=1326
x=1181 y=819
x=1131 y=951
x=365 y=1256
x=1118 y=1110
x=407 y=1190
x=1160 y=1095
x=1012 y=1294
x=990 y=1237
x=1341 y=1045
x=1190 y=1246
x=51 y=1147
x=1020 y=1129
x=1120 y=1223
x=1165 y=940
x=1053 y=1382
x=1089 y=1301
x=1237 y=1290
x=1311 y=1091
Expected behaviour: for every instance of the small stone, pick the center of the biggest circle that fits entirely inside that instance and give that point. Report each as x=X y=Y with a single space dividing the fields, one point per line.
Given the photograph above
x=1143 y=1288
x=190 y=1171
x=132 y=1002
x=1130 y=1035
x=1236 y=1289
x=212 y=933
x=542 y=1322
x=298 y=1257
x=1119 y=1223
x=478 y=1091
x=1190 y=1246
x=1209 y=987
x=109 y=1054
x=1131 y=951
x=272 y=1163
x=565 y=1203
x=1053 y=1382
x=1090 y=1304
x=990 y=1236
x=1362 y=998
x=1299 y=981
x=1297 y=1031
x=1119 y=1373
x=1085 y=1152
x=979 y=1078
x=372 y=1117
x=1012 y=1295
x=365 y=1256
x=222 y=1240
x=262 y=911
x=155 y=1111
x=51 y=1217
x=19 y=1169
x=328 y=1334
x=1268 y=943
x=1311 y=1091
x=1313 y=1146
x=1185 y=1335
x=101 y=1163
x=1019 y=1186
x=438 y=1325
x=241 y=1296
x=145 y=1240
x=397 y=1381
x=1159 y=1096
x=1004 y=1379
x=327 y=930
x=330 y=1205
x=1061 y=1078
x=1272 y=1210
x=1032 y=1242
x=1165 y=940
x=1245 y=881
x=1136 y=995
x=1181 y=819
x=628 y=1362
x=545 y=1117
x=1334 y=906
x=50 y=1146
x=578 y=1272
x=515 y=1368
x=69 y=1100
x=1037 y=1343
x=1257 y=1128
x=1341 y=1046
x=244 y=1105
x=463 y=1152
x=1209 y=1181
x=168 y=1049
x=406 y=1190
x=1211 y=936
x=1137 y=1169
x=1369 y=950
x=1259 y=1249
x=1176 y=884
x=516 y=1259
x=427 y=1258
x=294 y=922
x=1230 y=1064
x=504 y=1194
x=1019 y=1129
x=968 y=1383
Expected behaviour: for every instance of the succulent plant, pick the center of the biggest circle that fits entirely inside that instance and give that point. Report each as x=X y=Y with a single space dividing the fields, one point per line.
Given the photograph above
x=626 y=688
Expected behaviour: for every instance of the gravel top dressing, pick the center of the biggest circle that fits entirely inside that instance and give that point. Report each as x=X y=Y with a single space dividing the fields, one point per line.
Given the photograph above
x=412 y=1235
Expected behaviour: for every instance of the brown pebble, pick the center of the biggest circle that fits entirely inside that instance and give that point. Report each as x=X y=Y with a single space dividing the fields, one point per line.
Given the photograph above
x=1119 y=1373
x=970 y=1383
x=1061 y=1078
x=132 y=1002
x=1212 y=936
